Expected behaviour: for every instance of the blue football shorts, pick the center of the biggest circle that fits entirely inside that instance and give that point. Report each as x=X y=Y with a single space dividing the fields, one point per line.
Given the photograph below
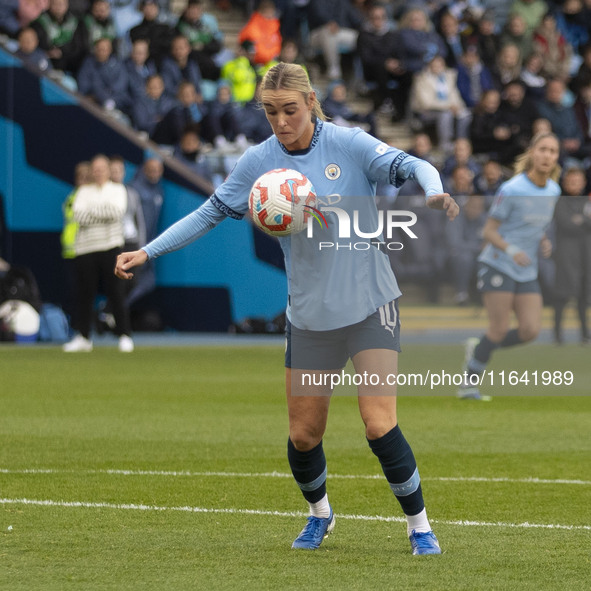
x=330 y=349
x=491 y=279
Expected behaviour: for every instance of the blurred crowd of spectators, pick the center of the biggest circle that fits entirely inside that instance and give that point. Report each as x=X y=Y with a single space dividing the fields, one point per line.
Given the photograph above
x=472 y=80
x=455 y=69
x=170 y=77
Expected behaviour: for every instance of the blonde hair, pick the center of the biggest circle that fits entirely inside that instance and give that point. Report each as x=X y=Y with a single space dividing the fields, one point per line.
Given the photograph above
x=407 y=17
x=284 y=76
x=524 y=162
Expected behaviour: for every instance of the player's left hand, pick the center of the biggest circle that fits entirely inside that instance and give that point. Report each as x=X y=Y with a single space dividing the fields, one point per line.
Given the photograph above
x=445 y=202
x=128 y=260
x=546 y=248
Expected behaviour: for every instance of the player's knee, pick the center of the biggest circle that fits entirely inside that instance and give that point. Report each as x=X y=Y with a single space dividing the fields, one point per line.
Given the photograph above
x=378 y=428
x=528 y=332
x=305 y=439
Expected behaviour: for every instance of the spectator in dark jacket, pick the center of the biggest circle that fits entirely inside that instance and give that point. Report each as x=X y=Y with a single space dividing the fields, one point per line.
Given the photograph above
x=582 y=109
x=487 y=183
x=563 y=119
x=449 y=30
x=216 y=121
x=488 y=132
x=378 y=47
x=463 y=245
x=572 y=219
x=334 y=27
x=59 y=37
x=253 y=121
x=29 y=51
x=474 y=77
x=460 y=183
x=103 y=78
x=419 y=43
x=220 y=124
x=158 y=34
x=519 y=113
x=178 y=66
x=148 y=183
x=79 y=8
x=139 y=67
x=583 y=75
x=188 y=110
x=204 y=35
x=572 y=20
x=486 y=39
x=461 y=156
x=188 y=151
x=336 y=108
x=9 y=21
x=532 y=77
x=422 y=147
x=149 y=110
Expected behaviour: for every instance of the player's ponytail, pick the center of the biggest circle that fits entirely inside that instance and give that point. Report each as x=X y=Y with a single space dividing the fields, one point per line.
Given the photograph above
x=523 y=163
x=284 y=76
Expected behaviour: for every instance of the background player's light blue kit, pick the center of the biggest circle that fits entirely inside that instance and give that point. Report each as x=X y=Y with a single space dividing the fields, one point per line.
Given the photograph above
x=525 y=210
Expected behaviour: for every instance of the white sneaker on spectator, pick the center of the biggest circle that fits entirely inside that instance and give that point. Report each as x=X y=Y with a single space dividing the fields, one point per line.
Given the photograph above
x=461 y=298
x=125 y=344
x=221 y=144
x=387 y=107
x=78 y=344
x=334 y=73
x=241 y=143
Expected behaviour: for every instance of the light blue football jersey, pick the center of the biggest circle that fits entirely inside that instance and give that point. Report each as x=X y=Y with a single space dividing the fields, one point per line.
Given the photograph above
x=328 y=286
x=525 y=210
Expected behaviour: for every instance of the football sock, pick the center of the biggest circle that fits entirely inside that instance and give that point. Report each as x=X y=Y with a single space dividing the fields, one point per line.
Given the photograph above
x=309 y=470
x=481 y=356
x=511 y=339
x=321 y=508
x=400 y=469
x=418 y=522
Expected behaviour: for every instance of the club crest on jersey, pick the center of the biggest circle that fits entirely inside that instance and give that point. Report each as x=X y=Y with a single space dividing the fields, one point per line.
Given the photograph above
x=332 y=172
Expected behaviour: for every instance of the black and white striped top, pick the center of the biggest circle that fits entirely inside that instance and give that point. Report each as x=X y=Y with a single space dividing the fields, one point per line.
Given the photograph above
x=99 y=211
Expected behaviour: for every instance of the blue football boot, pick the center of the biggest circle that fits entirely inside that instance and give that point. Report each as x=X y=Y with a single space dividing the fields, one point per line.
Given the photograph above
x=317 y=528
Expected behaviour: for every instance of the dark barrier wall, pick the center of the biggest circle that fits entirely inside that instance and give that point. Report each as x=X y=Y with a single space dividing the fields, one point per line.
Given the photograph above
x=230 y=274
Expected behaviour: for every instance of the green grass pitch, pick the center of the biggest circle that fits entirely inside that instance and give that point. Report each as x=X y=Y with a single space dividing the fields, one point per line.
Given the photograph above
x=166 y=469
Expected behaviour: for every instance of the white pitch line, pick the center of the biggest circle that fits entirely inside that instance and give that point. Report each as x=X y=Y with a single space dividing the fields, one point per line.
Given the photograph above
x=529 y=480
x=183 y=473
x=234 y=511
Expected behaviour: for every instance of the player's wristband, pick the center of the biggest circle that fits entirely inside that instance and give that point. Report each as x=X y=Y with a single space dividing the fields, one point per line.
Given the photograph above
x=512 y=250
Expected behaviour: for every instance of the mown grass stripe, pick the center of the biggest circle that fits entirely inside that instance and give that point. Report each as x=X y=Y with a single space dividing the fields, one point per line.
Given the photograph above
x=237 y=511
x=187 y=473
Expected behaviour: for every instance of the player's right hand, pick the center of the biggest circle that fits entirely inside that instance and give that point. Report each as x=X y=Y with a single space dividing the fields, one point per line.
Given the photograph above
x=127 y=260
x=444 y=202
x=522 y=259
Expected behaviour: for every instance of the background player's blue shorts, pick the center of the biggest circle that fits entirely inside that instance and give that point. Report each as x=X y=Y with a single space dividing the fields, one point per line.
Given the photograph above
x=490 y=279
x=330 y=349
